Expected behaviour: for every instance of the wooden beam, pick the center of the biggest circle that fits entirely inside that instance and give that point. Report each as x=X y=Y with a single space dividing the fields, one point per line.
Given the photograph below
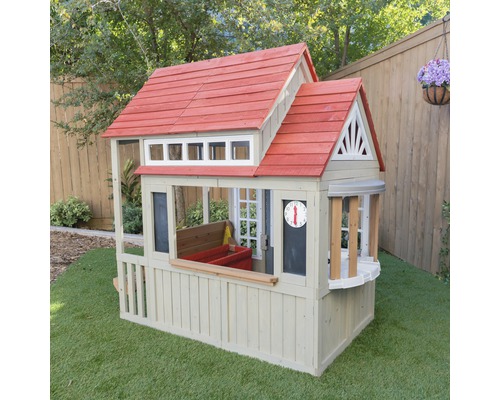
x=374 y=221
x=353 y=235
x=225 y=272
x=335 y=236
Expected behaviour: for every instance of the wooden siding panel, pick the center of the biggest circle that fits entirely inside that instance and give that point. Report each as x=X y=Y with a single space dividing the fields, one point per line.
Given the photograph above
x=289 y=327
x=194 y=304
x=176 y=300
x=253 y=319
x=204 y=306
x=277 y=328
x=264 y=321
x=214 y=288
x=167 y=298
x=241 y=315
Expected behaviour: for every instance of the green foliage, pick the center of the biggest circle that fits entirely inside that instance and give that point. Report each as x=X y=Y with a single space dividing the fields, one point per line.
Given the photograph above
x=114 y=46
x=132 y=218
x=444 y=251
x=130 y=184
x=70 y=212
x=219 y=211
x=132 y=198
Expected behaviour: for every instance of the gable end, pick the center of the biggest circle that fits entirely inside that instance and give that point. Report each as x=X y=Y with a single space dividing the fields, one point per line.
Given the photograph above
x=353 y=143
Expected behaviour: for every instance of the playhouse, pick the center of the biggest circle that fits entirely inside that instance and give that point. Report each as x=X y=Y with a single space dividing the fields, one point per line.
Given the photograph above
x=289 y=277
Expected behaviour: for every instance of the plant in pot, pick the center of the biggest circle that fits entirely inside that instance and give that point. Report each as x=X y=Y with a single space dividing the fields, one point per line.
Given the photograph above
x=435 y=80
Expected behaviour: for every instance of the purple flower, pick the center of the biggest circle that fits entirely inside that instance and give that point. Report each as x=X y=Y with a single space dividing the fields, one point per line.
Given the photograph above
x=435 y=73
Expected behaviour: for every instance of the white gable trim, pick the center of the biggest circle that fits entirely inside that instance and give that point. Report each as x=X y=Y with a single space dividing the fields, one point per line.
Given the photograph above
x=353 y=143
x=300 y=74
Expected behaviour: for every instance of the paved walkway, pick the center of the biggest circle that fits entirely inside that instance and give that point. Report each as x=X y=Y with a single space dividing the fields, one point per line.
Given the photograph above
x=128 y=237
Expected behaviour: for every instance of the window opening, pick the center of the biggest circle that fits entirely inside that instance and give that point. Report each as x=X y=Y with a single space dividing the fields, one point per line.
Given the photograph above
x=217 y=150
x=363 y=225
x=195 y=151
x=220 y=150
x=175 y=151
x=160 y=221
x=240 y=150
x=156 y=152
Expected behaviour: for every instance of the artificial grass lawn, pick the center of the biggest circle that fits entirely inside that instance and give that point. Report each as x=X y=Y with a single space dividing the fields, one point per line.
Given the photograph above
x=402 y=354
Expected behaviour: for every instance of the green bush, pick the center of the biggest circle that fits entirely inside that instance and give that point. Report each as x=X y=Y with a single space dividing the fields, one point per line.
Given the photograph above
x=444 y=251
x=219 y=211
x=69 y=213
x=132 y=218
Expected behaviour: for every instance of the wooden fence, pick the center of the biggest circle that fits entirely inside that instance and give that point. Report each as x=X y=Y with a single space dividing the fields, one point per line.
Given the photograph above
x=414 y=138
x=415 y=141
x=81 y=172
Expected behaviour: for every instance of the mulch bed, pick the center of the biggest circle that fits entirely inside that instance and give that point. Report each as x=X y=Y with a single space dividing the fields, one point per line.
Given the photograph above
x=67 y=247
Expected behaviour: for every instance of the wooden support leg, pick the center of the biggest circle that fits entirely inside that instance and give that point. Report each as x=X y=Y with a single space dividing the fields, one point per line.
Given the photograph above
x=335 y=236
x=353 y=235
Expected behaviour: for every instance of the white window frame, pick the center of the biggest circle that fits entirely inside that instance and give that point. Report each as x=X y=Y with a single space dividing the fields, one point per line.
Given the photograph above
x=258 y=219
x=228 y=140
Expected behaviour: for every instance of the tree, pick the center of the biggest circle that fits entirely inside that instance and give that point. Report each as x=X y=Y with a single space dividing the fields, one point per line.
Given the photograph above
x=115 y=45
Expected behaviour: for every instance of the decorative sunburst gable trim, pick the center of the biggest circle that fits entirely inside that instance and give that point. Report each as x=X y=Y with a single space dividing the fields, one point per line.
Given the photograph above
x=353 y=143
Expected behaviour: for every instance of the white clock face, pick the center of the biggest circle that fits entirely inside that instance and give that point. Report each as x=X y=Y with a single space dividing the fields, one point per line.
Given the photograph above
x=295 y=214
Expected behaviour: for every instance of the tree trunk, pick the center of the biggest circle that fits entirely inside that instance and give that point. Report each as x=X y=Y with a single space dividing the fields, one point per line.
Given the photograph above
x=180 y=206
x=346 y=45
x=336 y=44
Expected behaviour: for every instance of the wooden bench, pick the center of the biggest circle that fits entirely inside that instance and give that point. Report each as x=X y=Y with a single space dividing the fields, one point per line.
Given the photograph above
x=203 y=237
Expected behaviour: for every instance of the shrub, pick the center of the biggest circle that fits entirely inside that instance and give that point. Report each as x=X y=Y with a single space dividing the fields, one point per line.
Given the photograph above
x=69 y=213
x=219 y=211
x=444 y=251
x=132 y=198
x=132 y=218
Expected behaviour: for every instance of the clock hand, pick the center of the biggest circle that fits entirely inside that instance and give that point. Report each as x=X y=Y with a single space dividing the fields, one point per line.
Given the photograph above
x=295 y=215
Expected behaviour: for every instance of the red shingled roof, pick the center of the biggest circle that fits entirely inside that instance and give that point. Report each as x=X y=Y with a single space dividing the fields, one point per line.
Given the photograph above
x=305 y=141
x=234 y=92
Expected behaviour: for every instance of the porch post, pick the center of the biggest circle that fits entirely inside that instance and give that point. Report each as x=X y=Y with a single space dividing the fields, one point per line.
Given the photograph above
x=117 y=194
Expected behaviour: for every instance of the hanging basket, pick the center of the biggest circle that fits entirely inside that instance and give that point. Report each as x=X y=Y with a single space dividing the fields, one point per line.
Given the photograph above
x=436 y=95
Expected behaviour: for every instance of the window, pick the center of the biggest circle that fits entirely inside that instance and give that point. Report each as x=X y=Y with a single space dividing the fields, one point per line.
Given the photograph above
x=248 y=218
x=222 y=150
x=174 y=151
x=156 y=152
x=160 y=221
x=195 y=151
x=217 y=150
x=354 y=214
x=362 y=223
x=240 y=150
